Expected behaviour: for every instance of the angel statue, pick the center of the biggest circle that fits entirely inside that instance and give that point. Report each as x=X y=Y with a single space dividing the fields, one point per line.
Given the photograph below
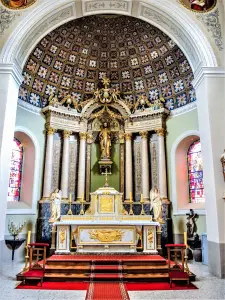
x=55 y=205
x=156 y=204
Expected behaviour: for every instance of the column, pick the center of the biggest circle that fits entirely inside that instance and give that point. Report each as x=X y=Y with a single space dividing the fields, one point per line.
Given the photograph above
x=65 y=164
x=162 y=164
x=10 y=80
x=144 y=165
x=48 y=163
x=81 y=166
x=209 y=84
x=128 y=166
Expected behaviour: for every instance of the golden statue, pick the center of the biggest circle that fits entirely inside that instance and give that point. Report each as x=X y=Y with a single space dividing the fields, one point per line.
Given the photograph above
x=105 y=142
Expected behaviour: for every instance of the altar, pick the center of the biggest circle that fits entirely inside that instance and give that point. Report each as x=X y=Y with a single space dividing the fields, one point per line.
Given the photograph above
x=107 y=227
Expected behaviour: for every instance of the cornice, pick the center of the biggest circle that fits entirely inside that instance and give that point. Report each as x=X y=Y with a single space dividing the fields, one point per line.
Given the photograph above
x=29 y=107
x=12 y=69
x=204 y=72
x=182 y=110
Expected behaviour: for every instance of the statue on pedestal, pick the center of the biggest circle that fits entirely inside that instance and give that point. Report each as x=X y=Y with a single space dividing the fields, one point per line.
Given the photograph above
x=156 y=204
x=55 y=205
x=105 y=142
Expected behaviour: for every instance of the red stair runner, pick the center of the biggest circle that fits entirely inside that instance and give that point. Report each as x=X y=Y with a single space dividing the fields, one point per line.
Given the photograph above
x=107 y=291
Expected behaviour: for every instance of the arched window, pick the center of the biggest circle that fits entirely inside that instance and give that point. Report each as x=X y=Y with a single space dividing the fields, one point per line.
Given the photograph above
x=15 y=171
x=195 y=173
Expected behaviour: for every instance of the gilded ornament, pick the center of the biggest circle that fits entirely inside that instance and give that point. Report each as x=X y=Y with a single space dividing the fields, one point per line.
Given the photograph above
x=106 y=235
x=50 y=130
x=67 y=134
x=62 y=236
x=83 y=135
x=150 y=236
x=128 y=136
x=106 y=204
x=144 y=134
x=160 y=132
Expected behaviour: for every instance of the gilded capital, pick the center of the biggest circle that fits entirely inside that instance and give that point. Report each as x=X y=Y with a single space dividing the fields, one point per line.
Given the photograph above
x=144 y=134
x=83 y=135
x=128 y=136
x=160 y=131
x=121 y=137
x=50 y=130
x=67 y=134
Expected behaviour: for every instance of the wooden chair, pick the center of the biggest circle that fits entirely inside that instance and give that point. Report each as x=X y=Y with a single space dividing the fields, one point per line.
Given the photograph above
x=177 y=271
x=37 y=269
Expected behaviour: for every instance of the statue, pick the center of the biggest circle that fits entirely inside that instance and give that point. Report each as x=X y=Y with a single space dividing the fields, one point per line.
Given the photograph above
x=156 y=204
x=55 y=205
x=105 y=142
x=191 y=224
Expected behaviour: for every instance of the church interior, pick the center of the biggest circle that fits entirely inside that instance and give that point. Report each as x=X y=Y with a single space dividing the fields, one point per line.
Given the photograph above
x=112 y=152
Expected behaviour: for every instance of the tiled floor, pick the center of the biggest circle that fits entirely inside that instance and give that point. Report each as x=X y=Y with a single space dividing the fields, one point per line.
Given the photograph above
x=209 y=288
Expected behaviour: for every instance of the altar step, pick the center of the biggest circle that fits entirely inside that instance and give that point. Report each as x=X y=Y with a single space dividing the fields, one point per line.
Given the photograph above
x=105 y=268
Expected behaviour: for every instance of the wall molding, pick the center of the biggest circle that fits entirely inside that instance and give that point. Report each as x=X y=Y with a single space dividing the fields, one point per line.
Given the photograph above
x=33 y=209
x=174 y=200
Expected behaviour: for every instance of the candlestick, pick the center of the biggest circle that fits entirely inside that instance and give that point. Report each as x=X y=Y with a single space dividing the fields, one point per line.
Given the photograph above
x=70 y=203
x=28 y=237
x=131 y=206
x=142 y=205
x=82 y=205
x=185 y=239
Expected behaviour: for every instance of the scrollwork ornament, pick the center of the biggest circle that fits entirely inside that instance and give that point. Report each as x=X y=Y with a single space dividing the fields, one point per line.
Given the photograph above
x=212 y=23
x=7 y=17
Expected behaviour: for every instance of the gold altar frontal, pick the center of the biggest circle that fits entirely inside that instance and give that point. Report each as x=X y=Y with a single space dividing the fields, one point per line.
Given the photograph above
x=106 y=227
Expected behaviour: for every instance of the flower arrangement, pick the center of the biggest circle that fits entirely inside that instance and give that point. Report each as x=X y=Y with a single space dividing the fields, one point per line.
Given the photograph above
x=15 y=229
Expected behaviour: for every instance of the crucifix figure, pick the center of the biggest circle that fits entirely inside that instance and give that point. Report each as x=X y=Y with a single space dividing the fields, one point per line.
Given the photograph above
x=191 y=224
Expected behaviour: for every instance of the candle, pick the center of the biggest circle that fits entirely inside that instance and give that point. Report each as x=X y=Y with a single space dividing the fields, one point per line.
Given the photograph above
x=28 y=237
x=70 y=197
x=130 y=196
x=82 y=197
x=142 y=200
x=185 y=238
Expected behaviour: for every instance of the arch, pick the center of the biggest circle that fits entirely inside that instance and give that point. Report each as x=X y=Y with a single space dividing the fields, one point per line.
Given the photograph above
x=25 y=206
x=168 y=17
x=181 y=205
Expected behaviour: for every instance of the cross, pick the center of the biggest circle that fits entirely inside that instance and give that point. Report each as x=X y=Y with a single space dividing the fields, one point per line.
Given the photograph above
x=106 y=178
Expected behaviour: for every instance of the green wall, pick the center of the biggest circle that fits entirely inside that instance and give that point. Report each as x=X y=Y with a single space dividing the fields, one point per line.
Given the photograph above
x=176 y=126
x=35 y=124
x=98 y=180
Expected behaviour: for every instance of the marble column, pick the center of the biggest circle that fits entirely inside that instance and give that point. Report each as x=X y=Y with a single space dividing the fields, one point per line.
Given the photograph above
x=48 y=163
x=209 y=84
x=81 y=165
x=145 y=165
x=162 y=164
x=65 y=164
x=128 y=166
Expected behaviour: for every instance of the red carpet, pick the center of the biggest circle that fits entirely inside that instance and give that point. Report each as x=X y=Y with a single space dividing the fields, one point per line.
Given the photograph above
x=99 y=258
x=35 y=285
x=107 y=291
x=157 y=286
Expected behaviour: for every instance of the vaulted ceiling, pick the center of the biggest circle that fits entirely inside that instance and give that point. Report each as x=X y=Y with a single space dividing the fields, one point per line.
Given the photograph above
x=136 y=56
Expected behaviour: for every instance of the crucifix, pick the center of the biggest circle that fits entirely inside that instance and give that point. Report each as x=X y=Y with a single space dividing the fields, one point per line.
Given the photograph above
x=106 y=178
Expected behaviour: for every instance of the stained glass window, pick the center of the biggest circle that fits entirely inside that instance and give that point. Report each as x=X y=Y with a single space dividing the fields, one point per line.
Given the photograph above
x=15 y=171
x=195 y=173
